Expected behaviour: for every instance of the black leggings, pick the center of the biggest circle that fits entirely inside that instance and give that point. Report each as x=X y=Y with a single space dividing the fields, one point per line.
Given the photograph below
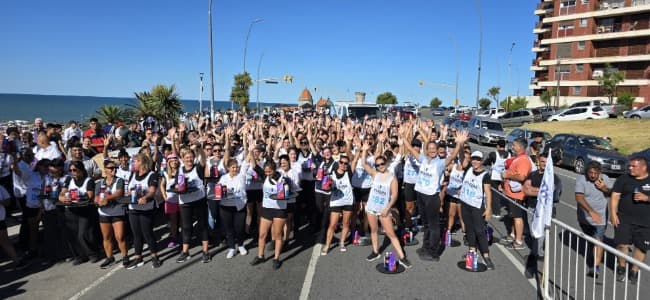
x=321 y=214
x=198 y=209
x=233 y=222
x=475 y=227
x=142 y=226
x=80 y=233
x=430 y=216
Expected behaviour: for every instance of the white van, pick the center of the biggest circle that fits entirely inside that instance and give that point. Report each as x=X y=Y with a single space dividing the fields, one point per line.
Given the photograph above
x=355 y=110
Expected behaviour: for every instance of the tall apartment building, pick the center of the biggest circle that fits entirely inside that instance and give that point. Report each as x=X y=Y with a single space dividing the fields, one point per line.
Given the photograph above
x=577 y=38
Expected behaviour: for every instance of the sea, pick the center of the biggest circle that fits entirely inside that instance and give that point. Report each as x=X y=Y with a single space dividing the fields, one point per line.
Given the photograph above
x=61 y=109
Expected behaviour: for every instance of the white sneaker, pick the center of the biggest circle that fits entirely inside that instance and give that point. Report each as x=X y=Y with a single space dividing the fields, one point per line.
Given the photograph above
x=231 y=253
x=242 y=250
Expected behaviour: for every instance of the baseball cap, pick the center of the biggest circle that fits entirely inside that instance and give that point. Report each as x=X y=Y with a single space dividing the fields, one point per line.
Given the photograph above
x=172 y=156
x=477 y=154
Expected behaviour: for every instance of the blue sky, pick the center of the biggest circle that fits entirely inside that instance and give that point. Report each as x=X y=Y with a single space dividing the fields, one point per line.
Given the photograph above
x=115 y=48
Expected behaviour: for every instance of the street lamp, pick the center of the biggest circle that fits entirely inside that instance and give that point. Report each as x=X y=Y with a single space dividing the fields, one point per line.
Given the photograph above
x=201 y=93
x=250 y=27
x=211 y=62
x=509 y=92
x=453 y=39
x=480 y=50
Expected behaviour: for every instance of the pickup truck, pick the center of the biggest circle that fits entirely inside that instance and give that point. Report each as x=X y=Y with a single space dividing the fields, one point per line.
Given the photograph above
x=613 y=110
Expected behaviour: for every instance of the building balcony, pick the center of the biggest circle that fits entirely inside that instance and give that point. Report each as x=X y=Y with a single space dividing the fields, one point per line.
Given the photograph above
x=564 y=82
x=541 y=30
x=597 y=60
x=598 y=36
x=540 y=49
x=616 y=27
x=538 y=68
x=639 y=6
x=612 y=4
x=544 y=8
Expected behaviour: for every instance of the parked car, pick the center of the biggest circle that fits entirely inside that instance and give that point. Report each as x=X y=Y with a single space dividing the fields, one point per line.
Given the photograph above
x=459 y=125
x=645 y=153
x=613 y=110
x=448 y=121
x=438 y=111
x=492 y=113
x=547 y=111
x=465 y=116
x=580 y=113
x=578 y=150
x=525 y=133
x=517 y=118
x=485 y=130
x=641 y=113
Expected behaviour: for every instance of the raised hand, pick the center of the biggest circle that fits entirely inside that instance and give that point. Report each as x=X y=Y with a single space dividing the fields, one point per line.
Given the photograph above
x=461 y=137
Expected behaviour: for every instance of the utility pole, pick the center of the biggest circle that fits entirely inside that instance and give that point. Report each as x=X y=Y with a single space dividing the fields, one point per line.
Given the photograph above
x=453 y=39
x=508 y=91
x=480 y=50
x=201 y=93
x=557 y=88
x=211 y=62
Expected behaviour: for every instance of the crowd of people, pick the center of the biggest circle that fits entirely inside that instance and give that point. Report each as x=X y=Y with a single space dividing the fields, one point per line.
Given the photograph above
x=280 y=172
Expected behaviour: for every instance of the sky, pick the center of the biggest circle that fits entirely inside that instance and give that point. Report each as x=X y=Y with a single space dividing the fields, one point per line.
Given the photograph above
x=334 y=48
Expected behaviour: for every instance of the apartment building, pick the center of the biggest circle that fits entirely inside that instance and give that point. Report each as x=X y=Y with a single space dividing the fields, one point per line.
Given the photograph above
x=577 y=38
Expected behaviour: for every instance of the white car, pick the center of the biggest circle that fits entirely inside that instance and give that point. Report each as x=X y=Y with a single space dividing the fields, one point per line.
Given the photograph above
x=580 y=113
x=492 y=113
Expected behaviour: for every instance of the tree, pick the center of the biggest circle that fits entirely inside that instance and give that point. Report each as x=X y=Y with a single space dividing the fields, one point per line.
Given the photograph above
x=162 y=103
x=386 y=98
x=547 y=96
x=515 y=104
x=626 y=99
x=239 y=93
x=110 y=114
x=493 y=93
x=610 y=80
x=143 y=107
x=484 y=103
x=435 y=102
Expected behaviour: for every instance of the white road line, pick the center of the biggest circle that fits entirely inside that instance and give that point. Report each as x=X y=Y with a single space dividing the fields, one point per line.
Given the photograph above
x=569 y=205
x=558 y=173
x=311 y=269
x=95 y=283
x=518 y=265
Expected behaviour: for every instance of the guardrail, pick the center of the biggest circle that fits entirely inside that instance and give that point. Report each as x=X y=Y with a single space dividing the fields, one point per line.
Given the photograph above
x=567 y=261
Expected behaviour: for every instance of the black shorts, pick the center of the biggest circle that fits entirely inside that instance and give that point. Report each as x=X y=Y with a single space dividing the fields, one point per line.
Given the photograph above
x=111 y=219
x=341 y=208
x=409 y=192
x=272 y=213
x=515 y=210
x=626 y=234
x=254 y=195
x=31 y=212
x=450 y=199
x=360 y=194
x=3 y=225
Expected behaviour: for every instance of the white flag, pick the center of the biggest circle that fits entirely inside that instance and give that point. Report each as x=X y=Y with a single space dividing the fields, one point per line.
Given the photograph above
x=544 y=208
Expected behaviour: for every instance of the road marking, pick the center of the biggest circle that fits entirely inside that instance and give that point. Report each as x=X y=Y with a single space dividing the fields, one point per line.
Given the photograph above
x=558 y=173
x=518 y=265
x=569 y=205
x=95 y=283
x=311 y=269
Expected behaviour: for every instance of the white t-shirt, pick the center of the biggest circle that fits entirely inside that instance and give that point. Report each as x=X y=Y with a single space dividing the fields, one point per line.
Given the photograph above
x=50 y=152
x=20 y=182
x=4 y=195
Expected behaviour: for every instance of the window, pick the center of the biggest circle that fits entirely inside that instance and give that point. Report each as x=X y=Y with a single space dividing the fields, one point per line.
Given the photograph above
x=581 y=45
x=579 y=68
x=577 y=90
x=568 y=3
x=563 y=50
x=583 y=22
x=585 y=1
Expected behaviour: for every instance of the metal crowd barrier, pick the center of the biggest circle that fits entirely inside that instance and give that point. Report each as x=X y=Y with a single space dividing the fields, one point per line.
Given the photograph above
x=568 y=256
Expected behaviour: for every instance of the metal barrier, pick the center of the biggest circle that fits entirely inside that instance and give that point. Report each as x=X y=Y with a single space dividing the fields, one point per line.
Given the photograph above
x=567 y=261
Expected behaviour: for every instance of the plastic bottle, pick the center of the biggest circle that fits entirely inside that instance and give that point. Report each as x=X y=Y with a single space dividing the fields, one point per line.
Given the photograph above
x=447 y=238
x=392 y=262
x=355 y=239
x=217 y=191
x=469 y=264
x=134 y=195
x=180 y=183
x=55 y=190
x=474 y=261
x=387 y=261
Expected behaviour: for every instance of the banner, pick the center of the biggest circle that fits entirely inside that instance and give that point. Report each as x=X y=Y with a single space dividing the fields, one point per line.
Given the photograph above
x=544 y=208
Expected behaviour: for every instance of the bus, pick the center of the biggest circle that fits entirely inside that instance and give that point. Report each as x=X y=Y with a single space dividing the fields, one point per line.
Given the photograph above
x=355 y=110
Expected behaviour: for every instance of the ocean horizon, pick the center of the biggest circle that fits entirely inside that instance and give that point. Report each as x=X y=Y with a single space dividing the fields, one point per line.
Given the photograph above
x=60 y=108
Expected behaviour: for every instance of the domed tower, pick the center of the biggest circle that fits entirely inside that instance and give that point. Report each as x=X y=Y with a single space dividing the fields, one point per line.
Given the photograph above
x=305 y=98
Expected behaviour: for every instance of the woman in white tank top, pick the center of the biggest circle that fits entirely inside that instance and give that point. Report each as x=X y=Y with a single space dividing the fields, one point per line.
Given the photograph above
x=383 y=195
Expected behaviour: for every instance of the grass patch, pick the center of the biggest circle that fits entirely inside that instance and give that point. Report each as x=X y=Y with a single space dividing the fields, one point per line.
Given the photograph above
x=628 y=135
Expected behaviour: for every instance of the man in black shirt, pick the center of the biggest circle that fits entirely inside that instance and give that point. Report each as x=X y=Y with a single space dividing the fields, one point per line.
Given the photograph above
x=496 y=161
x=630 y=215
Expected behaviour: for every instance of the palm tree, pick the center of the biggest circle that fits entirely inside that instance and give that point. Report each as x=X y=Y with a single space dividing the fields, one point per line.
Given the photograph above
x=143 y=107
x=239 y=93
x=493 y=93
x=110 y=113
x=166 y=102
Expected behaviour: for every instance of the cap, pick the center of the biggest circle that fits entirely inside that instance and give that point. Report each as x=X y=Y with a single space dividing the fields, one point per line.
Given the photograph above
x=172 y=156
x=477 y=154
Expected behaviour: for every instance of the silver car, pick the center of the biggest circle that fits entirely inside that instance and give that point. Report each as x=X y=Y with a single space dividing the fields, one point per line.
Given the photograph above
x=641 y=113
x=578 y=150
x=485 y=130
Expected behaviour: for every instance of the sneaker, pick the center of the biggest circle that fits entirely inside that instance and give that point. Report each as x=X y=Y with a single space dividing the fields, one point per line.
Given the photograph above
x=633 y=277
x=79 y=260
x=183 y=257
x=343 y=249
x=276 y=264
x=405 y=263
x=20 y=263
x=497 y=217
x=516 y=246
x=507 y=240
x=242 y=250
x=257 y=260
x=107 y=263
x=323 y=252
x=593 y=272
x=373 y=256
x=230 y=253
x=620 y=274
x=488 y=263
x=135 y=263
x=206 y=258
x=125 y=262
x=155 y=262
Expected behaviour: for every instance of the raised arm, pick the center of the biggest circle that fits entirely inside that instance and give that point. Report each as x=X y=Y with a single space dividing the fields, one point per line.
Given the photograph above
x=460 y=140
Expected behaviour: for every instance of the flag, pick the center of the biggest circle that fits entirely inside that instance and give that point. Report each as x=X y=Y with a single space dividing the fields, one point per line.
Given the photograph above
x=544 y=208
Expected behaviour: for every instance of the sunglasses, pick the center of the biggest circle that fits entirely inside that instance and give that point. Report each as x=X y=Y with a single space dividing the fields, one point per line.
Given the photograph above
x=218 y=150
x=380 y=164
x=74 y=169
x=109 y=168
x=344 y=162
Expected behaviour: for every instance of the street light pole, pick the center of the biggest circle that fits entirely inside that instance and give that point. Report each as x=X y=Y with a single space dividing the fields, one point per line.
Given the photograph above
x=508 y=91
x=558 y=76
x=201 y=93
x=211 y=62
x=257 y=96
x=250 y=27
x=480 y=50
x=453 y=39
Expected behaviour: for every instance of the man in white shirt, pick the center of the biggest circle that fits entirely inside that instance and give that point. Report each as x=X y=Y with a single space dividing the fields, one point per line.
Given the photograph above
x=72 y=130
